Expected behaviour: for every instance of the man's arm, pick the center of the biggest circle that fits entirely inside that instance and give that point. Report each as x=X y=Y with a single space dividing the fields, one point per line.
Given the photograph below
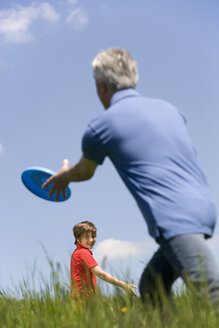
x=112 y=280
x=83 y=170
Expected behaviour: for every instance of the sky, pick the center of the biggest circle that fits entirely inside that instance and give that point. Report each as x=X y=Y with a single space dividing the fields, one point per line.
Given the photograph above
x=48 y=96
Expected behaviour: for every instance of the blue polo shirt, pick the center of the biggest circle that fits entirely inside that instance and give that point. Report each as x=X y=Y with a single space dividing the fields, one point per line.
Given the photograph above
x=149 y=145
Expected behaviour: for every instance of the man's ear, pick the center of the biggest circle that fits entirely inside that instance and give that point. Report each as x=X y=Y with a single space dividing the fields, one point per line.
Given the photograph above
x=103 y=87
x=104 y=93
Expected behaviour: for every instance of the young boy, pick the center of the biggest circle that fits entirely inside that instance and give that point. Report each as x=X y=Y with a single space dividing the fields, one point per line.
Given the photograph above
x=84 y=268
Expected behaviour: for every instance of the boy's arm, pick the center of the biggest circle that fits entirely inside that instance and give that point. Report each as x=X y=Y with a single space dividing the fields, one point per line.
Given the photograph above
x=112 y=280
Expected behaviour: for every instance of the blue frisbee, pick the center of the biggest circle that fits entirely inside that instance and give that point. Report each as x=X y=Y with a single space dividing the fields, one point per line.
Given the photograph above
x=34 y=177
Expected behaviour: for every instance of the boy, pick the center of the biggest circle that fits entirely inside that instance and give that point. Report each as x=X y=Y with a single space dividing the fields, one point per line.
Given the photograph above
x=84 y=268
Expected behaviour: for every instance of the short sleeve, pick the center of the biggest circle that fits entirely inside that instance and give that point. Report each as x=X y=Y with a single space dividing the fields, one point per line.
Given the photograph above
x=92 y=146
x=88 y=258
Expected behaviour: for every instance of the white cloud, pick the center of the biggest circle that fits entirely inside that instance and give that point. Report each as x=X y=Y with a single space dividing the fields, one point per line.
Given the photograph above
x=118 y=249
x=1 y=149
x=136 y=252
x=15 y=23
x=77 y=18
x=48 y=12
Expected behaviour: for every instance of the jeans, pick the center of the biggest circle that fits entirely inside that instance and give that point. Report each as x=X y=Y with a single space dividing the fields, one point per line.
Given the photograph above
x=185 y=256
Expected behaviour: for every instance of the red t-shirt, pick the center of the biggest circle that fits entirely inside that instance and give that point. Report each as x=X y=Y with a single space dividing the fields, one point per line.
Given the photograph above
x=83 y=281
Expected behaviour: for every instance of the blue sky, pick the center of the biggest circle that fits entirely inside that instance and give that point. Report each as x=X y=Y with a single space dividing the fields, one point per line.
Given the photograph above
x=48 y=96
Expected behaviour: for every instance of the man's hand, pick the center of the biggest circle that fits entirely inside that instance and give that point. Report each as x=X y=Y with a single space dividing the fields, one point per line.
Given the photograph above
x=83 y=170
x=60 y=181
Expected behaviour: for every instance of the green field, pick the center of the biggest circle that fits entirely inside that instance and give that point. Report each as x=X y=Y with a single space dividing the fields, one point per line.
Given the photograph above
x=52 y=307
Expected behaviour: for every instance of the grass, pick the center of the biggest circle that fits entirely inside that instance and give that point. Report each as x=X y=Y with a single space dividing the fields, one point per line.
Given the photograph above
x=52 y=307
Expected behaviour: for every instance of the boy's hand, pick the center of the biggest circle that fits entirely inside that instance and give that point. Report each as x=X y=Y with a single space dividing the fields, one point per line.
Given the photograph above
x=129 y=288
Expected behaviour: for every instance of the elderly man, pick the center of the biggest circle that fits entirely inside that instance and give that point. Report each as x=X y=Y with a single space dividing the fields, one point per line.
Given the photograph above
x=148 y=143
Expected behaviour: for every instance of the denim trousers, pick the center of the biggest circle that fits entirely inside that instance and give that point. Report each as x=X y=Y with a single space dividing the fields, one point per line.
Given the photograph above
x=187 y=256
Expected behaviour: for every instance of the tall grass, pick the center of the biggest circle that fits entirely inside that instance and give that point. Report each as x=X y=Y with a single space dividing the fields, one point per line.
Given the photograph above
x=51 y=306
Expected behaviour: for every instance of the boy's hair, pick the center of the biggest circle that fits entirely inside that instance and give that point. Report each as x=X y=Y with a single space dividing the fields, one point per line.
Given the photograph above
x=84 y=228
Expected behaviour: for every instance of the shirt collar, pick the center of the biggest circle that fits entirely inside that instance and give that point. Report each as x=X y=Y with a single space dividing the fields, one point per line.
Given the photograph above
x=123 y=94
x=79 y=246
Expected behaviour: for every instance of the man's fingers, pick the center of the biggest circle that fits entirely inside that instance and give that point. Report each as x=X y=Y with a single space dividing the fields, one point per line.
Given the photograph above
x=52 y=190
x=65 y=163
x=47 y=183
x=56 y=190
x=57 y=194
x=59 y=182
x=64 y=193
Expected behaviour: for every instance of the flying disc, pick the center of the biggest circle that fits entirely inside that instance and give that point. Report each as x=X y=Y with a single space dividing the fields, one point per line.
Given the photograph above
x=34 y=177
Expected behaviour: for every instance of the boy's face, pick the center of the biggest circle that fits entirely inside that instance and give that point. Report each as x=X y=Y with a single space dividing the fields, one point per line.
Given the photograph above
x=87 y=240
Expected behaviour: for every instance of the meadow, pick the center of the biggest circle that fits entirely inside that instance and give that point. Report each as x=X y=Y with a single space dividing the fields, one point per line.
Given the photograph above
x=51 y=307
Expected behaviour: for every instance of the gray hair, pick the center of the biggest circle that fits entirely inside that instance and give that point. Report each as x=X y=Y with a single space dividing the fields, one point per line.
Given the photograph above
x=116 y=68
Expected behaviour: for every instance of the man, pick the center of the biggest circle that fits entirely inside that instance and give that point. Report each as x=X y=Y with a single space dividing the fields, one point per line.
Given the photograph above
x=148 y=143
